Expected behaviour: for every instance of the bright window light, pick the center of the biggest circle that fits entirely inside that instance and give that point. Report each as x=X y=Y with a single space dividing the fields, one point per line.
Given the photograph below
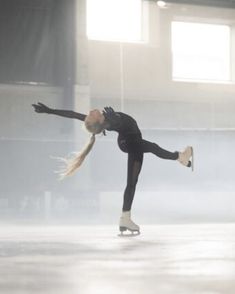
x=114 y=20
x=200 y=51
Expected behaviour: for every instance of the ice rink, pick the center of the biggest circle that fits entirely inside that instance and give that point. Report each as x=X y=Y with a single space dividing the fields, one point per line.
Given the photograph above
x=164 y=259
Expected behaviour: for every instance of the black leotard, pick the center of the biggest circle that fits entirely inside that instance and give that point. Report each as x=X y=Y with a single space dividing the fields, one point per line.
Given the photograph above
x=129 y=134
x=130 y=141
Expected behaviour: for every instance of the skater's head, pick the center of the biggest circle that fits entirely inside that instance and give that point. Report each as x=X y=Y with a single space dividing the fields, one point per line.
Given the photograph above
x=95 y=122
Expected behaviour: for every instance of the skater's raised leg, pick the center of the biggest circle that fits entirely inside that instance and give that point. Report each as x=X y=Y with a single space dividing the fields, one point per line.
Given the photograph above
x=184 y=157
x=150 y=147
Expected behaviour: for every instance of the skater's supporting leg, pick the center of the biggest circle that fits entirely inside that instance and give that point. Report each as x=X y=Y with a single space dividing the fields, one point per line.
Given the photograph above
x=135 y=161
x=134 y=165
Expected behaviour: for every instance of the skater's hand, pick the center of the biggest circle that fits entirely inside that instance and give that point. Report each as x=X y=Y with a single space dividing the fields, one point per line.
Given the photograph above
x=113 y=118
x=41 y=108
x=108 y=112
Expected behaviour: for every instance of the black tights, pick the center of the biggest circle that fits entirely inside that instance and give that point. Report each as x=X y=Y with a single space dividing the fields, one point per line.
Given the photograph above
x=136 y=150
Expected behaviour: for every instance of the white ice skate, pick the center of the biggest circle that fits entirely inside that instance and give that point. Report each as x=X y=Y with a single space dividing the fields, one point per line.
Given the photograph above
x=126 y=224
x=186 y=157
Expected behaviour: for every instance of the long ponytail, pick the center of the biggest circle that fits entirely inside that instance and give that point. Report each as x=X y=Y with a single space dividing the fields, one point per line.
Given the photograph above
x=72 y=164
x=92 y=125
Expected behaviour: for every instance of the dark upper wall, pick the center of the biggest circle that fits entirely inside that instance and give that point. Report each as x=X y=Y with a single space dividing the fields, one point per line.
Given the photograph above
x=37 y=41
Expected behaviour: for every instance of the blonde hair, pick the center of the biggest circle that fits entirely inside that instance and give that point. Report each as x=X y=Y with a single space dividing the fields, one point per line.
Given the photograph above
x=72 y=164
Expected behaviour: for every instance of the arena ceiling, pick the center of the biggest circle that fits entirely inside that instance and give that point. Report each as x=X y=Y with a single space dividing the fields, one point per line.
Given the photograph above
x=213 y=3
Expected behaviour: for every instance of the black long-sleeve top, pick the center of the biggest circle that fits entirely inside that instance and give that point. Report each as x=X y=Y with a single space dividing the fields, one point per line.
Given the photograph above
x=124 y=124
x=120 y=122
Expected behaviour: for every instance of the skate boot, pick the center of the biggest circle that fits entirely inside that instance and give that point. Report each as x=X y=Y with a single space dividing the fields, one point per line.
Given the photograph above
x=127 y=224
x=186 y=157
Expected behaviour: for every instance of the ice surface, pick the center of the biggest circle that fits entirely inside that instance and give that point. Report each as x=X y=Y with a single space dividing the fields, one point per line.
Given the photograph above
x=164 y=259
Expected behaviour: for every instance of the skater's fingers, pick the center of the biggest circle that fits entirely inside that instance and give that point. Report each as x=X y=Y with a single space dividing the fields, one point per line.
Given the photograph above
x=35 y=106
x=111 y=110
x=41 y=104
x=108 y=110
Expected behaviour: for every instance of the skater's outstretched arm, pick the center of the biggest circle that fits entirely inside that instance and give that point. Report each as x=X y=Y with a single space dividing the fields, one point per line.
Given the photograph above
x=42 y=108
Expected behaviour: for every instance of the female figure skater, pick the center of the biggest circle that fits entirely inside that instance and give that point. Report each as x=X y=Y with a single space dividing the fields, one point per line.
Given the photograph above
x=129 y=141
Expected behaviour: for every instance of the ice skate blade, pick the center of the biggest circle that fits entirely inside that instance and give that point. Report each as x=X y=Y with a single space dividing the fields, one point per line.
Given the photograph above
x=192 y=160
x=132 y=234
x=129 y=233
